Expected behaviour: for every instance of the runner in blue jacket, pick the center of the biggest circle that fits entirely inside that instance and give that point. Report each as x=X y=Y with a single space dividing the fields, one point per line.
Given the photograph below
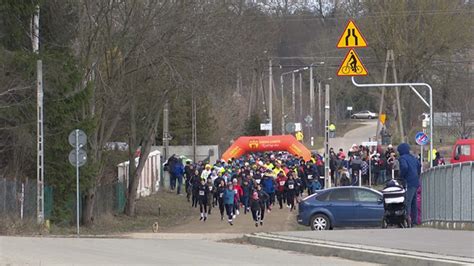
x=229 y=195
x=268 y=184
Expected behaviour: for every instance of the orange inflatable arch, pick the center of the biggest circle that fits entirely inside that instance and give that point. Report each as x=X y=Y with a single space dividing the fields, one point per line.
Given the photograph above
x=249 y=144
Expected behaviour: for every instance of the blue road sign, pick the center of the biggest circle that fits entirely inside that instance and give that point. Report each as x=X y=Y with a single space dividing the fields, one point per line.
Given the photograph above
x=422 y=139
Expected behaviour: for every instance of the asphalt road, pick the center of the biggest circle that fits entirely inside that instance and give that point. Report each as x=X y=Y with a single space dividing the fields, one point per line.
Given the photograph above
x=355 y=136
x=444 y=242
x=94 y=251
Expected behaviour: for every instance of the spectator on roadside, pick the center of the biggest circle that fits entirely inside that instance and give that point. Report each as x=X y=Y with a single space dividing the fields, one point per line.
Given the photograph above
x=177 y=173
x=169 y=166
x=393 y=165
x=333 y=165
x=356 y=165
x=365 y=171
x=410 y=169
x=188 y=174
x=380 y=169
x=438 y=160
x=389 y=151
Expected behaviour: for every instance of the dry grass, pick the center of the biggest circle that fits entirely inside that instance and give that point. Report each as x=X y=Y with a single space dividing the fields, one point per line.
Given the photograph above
x=166 y=208
x=11 y=226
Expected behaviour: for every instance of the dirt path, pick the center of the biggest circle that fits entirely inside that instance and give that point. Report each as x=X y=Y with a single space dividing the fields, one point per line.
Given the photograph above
x=277 y=220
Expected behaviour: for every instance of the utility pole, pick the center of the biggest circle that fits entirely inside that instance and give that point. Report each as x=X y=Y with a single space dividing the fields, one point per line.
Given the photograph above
x=270 y=104
x=194 y=127
x=397 y=95
x=320 y=121
x=166 y=134
x=300 y=118
x=282 y=106
x=327 y=177
x=293 y=96
x=39 y=111
x=390 y=57
x=311 y=100
x=382 y=97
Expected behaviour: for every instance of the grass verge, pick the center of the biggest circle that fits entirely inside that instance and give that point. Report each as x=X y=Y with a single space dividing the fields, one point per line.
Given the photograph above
x=164 y=207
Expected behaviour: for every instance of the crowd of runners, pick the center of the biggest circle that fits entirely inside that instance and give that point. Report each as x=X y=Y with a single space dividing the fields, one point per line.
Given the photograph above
x=258 y=182
x=254 y=183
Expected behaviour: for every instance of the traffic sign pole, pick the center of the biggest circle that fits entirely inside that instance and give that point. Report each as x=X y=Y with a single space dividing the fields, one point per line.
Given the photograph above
x=421 y=157
x=77 y=157
x=77 y=180
x=327 y=176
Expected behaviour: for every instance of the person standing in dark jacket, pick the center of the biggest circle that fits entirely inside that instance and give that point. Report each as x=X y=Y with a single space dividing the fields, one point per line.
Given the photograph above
x=410 y=170
x=188 y=174
x=312 y=175
x=356 y=165
x=170 y=166
x=178 y=172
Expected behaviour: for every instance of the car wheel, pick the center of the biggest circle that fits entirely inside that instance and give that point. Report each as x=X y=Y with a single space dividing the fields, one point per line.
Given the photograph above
x=353 y=117
x=370 y=117
x=384 y=223
x=320 y=222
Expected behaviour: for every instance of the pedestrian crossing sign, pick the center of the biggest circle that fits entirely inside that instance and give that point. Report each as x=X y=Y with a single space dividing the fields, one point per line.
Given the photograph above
x=352 y=66
x=351 y=37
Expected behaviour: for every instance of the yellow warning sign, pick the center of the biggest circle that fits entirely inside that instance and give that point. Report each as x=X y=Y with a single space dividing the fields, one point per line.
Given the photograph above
x=299 y=136
x=352 y=66
x=383 y=118
x=351 y=37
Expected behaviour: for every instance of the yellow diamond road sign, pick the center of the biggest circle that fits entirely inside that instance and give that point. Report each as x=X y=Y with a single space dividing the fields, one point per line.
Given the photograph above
x=351 y=37
x=352 y=66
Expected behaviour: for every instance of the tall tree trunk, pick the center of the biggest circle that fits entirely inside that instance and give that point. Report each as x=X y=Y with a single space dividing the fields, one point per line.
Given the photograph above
x=88 y=207
x=134 y=176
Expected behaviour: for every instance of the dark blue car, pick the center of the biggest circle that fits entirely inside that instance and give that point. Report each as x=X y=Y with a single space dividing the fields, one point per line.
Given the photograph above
x=341 y=207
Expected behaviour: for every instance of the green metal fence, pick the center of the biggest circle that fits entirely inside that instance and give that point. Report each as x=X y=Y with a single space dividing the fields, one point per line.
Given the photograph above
x=15 y=194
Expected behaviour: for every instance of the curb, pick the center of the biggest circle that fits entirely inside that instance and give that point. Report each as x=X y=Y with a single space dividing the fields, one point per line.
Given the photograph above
x=353 y=251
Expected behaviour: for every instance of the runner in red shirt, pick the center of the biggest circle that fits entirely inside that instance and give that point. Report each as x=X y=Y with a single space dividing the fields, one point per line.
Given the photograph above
x=280 y=191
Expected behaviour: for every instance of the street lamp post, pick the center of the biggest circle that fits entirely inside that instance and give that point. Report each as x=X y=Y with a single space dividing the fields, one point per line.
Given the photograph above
x=293 y=95
x=283 y=101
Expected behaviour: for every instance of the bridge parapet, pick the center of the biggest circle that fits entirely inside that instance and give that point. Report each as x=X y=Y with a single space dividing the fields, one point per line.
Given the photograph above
x=447 y=196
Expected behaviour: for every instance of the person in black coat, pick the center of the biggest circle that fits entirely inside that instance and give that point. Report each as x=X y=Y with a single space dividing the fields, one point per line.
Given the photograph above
x=255 y=208
x=263 y=199
x=203 y=190
x=291 y=188
x=220 y=197
x=195 y=182
x=188 y=175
